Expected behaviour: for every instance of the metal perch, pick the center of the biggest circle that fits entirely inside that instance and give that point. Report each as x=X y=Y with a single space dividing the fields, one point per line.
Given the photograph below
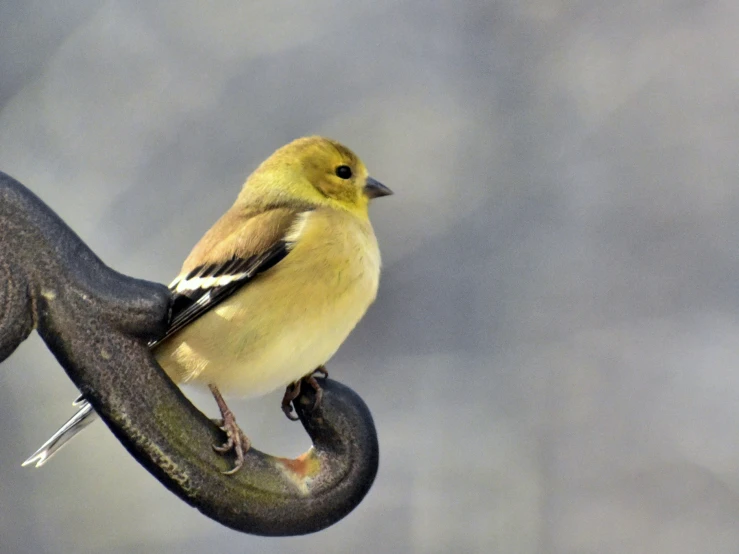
x=97 y=323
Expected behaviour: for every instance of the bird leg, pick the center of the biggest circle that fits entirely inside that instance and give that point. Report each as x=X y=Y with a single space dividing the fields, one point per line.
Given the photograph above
x=311 y=380
x=236 y=439
x=322 y=370
x=293 y=391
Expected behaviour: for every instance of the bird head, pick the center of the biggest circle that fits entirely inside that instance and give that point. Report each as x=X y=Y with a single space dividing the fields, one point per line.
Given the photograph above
x=318 y=171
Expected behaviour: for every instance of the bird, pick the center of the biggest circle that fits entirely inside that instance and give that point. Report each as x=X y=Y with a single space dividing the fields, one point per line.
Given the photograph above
x=272 y=290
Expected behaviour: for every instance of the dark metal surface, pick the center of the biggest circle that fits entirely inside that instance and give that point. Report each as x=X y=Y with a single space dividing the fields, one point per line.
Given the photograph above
x=97 y=322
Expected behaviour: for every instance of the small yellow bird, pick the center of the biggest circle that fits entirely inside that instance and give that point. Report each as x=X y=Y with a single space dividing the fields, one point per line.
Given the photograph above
x=273 y=288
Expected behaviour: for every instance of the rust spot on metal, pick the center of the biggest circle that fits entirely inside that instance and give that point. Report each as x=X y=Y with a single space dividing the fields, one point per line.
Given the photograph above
x=305 y=465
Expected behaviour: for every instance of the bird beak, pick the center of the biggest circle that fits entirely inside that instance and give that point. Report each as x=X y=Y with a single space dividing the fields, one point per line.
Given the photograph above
x=375 y=189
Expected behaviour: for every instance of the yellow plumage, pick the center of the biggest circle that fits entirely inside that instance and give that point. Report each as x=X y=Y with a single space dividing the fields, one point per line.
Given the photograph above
x=293 y=317
x=275 y=286
x=290 y=319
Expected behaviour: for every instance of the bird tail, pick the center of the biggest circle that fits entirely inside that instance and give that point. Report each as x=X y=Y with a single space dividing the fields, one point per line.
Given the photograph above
x=84 y=416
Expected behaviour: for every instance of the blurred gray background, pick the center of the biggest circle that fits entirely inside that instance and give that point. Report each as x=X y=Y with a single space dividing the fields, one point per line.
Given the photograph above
x=552 y=360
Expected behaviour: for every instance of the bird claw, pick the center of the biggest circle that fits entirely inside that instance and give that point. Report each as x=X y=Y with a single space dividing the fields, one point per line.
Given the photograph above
x=311 y=380
x=236 y=441
x=293 y=391
x=322 y=370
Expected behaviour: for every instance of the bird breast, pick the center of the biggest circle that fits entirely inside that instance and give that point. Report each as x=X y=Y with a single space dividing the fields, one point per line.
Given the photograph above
x=290 y=319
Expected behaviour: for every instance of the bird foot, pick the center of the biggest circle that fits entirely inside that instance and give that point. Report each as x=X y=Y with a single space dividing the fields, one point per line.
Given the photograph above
x=236 y=441
x=293 y=391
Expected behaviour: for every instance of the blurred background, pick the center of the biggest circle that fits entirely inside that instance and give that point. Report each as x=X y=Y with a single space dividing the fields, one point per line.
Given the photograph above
x=552 y=360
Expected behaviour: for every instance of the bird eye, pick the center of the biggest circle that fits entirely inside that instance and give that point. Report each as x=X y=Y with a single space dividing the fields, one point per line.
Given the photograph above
x=344 y=172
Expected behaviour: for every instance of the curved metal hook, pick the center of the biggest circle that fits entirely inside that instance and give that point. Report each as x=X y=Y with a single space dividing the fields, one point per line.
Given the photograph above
x=97 y=323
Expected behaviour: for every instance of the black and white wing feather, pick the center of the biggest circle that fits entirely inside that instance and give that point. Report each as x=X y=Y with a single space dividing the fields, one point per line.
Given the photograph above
x=206 y=286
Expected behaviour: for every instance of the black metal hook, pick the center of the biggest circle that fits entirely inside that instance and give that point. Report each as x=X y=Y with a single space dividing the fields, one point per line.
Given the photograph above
x=97 y=323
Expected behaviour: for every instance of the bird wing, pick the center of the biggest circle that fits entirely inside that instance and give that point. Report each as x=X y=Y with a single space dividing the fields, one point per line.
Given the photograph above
x=230 y=255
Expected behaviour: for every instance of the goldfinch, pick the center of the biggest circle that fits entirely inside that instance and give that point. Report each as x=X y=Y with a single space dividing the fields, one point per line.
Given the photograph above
x=273 y=288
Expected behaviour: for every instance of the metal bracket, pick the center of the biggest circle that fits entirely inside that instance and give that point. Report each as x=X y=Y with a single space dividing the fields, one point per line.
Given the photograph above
x=97 y=322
